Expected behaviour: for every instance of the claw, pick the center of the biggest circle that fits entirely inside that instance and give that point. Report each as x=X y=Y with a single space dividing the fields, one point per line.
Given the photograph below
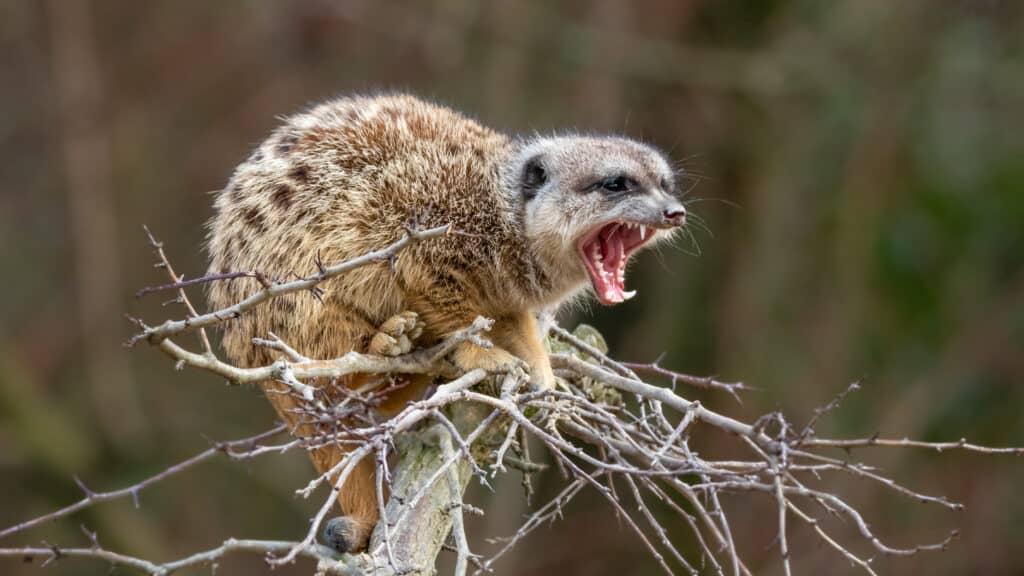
x=397 y=335
x=343 y=534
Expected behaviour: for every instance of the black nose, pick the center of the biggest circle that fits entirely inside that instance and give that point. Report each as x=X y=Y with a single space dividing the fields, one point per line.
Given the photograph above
x=675 y=216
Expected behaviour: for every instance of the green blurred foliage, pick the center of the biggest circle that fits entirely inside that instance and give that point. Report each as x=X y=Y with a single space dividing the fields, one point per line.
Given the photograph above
x=859 y=165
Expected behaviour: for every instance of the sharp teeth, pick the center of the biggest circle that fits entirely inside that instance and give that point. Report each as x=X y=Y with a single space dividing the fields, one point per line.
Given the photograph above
x=643 y=231
x=629 y=294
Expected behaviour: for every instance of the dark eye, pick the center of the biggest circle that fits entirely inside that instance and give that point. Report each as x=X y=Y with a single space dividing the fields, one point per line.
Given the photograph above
x=534 y=177
x=618 y=184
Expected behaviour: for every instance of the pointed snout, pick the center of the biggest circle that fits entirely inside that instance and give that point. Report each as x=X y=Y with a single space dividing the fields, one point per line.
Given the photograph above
x=673 y=213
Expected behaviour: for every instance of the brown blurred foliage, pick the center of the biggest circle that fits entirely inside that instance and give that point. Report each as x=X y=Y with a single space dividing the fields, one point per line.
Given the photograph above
x=859 y=163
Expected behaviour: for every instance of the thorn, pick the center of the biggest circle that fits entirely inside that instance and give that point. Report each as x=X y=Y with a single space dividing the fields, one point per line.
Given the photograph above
x=317 y=293
x=88 y=493
x=320 y=263
x=91 y=536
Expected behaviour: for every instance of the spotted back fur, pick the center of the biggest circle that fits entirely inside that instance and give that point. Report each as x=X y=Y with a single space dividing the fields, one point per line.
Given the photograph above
x=350 y=176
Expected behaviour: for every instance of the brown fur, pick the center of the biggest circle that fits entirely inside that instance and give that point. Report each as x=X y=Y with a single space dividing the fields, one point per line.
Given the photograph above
x=347 y=177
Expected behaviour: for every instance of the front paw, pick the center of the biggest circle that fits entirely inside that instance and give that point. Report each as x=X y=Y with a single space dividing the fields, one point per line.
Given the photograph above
x=397 y=335
x=468 y=357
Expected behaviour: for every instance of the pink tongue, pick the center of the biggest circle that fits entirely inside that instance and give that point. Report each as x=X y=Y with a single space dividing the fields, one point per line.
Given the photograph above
x=612 y=249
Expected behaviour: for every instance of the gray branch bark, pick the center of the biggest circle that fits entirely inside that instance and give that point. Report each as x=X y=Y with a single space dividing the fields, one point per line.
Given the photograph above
x=427 y=485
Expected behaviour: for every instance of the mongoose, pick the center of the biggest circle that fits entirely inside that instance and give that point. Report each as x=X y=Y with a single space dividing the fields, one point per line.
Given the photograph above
x=537 y=218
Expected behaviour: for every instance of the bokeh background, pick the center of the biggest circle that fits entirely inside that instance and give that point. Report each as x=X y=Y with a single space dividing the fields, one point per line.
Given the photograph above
x=859 y=163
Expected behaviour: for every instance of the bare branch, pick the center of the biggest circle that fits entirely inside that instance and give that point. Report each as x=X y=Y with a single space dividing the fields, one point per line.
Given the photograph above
x=164 y=263
x=706 y=382
x=173 y=327
x=961 y=444
x=206 y=558
x=235 y=449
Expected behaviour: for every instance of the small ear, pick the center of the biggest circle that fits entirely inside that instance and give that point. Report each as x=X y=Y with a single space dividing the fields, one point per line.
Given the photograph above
x=534 y=176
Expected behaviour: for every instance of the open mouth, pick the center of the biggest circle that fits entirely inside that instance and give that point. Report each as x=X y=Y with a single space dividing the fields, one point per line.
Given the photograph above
x=605 y=252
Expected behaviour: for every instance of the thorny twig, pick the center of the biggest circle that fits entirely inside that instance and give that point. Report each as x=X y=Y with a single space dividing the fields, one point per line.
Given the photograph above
x=732 y=388
x=158 y=248
x=236 y=449
x=173 y=327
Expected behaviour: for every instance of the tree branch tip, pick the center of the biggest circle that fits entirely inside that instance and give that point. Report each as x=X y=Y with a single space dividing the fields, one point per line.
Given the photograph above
x=152 y=239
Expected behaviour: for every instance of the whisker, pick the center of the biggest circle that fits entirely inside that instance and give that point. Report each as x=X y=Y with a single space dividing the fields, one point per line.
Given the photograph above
x=693 y=242
x=725 y=201
x=700 y=224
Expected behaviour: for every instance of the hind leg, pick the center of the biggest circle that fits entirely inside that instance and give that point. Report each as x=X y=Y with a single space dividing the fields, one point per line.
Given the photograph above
x=358 y=502
x=358 y=498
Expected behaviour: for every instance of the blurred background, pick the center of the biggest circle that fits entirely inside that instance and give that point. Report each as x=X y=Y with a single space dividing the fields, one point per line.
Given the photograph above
x=860 y=165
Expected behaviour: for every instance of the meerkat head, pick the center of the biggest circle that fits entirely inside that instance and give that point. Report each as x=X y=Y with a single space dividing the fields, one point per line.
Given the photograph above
x=590 y=203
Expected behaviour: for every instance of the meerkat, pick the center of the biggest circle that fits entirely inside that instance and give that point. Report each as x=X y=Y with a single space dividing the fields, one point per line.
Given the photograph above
x=537 y=218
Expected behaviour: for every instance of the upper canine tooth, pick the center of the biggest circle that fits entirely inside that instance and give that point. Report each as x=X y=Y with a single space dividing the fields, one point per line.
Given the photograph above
x=628 y=295
x=643 y=231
